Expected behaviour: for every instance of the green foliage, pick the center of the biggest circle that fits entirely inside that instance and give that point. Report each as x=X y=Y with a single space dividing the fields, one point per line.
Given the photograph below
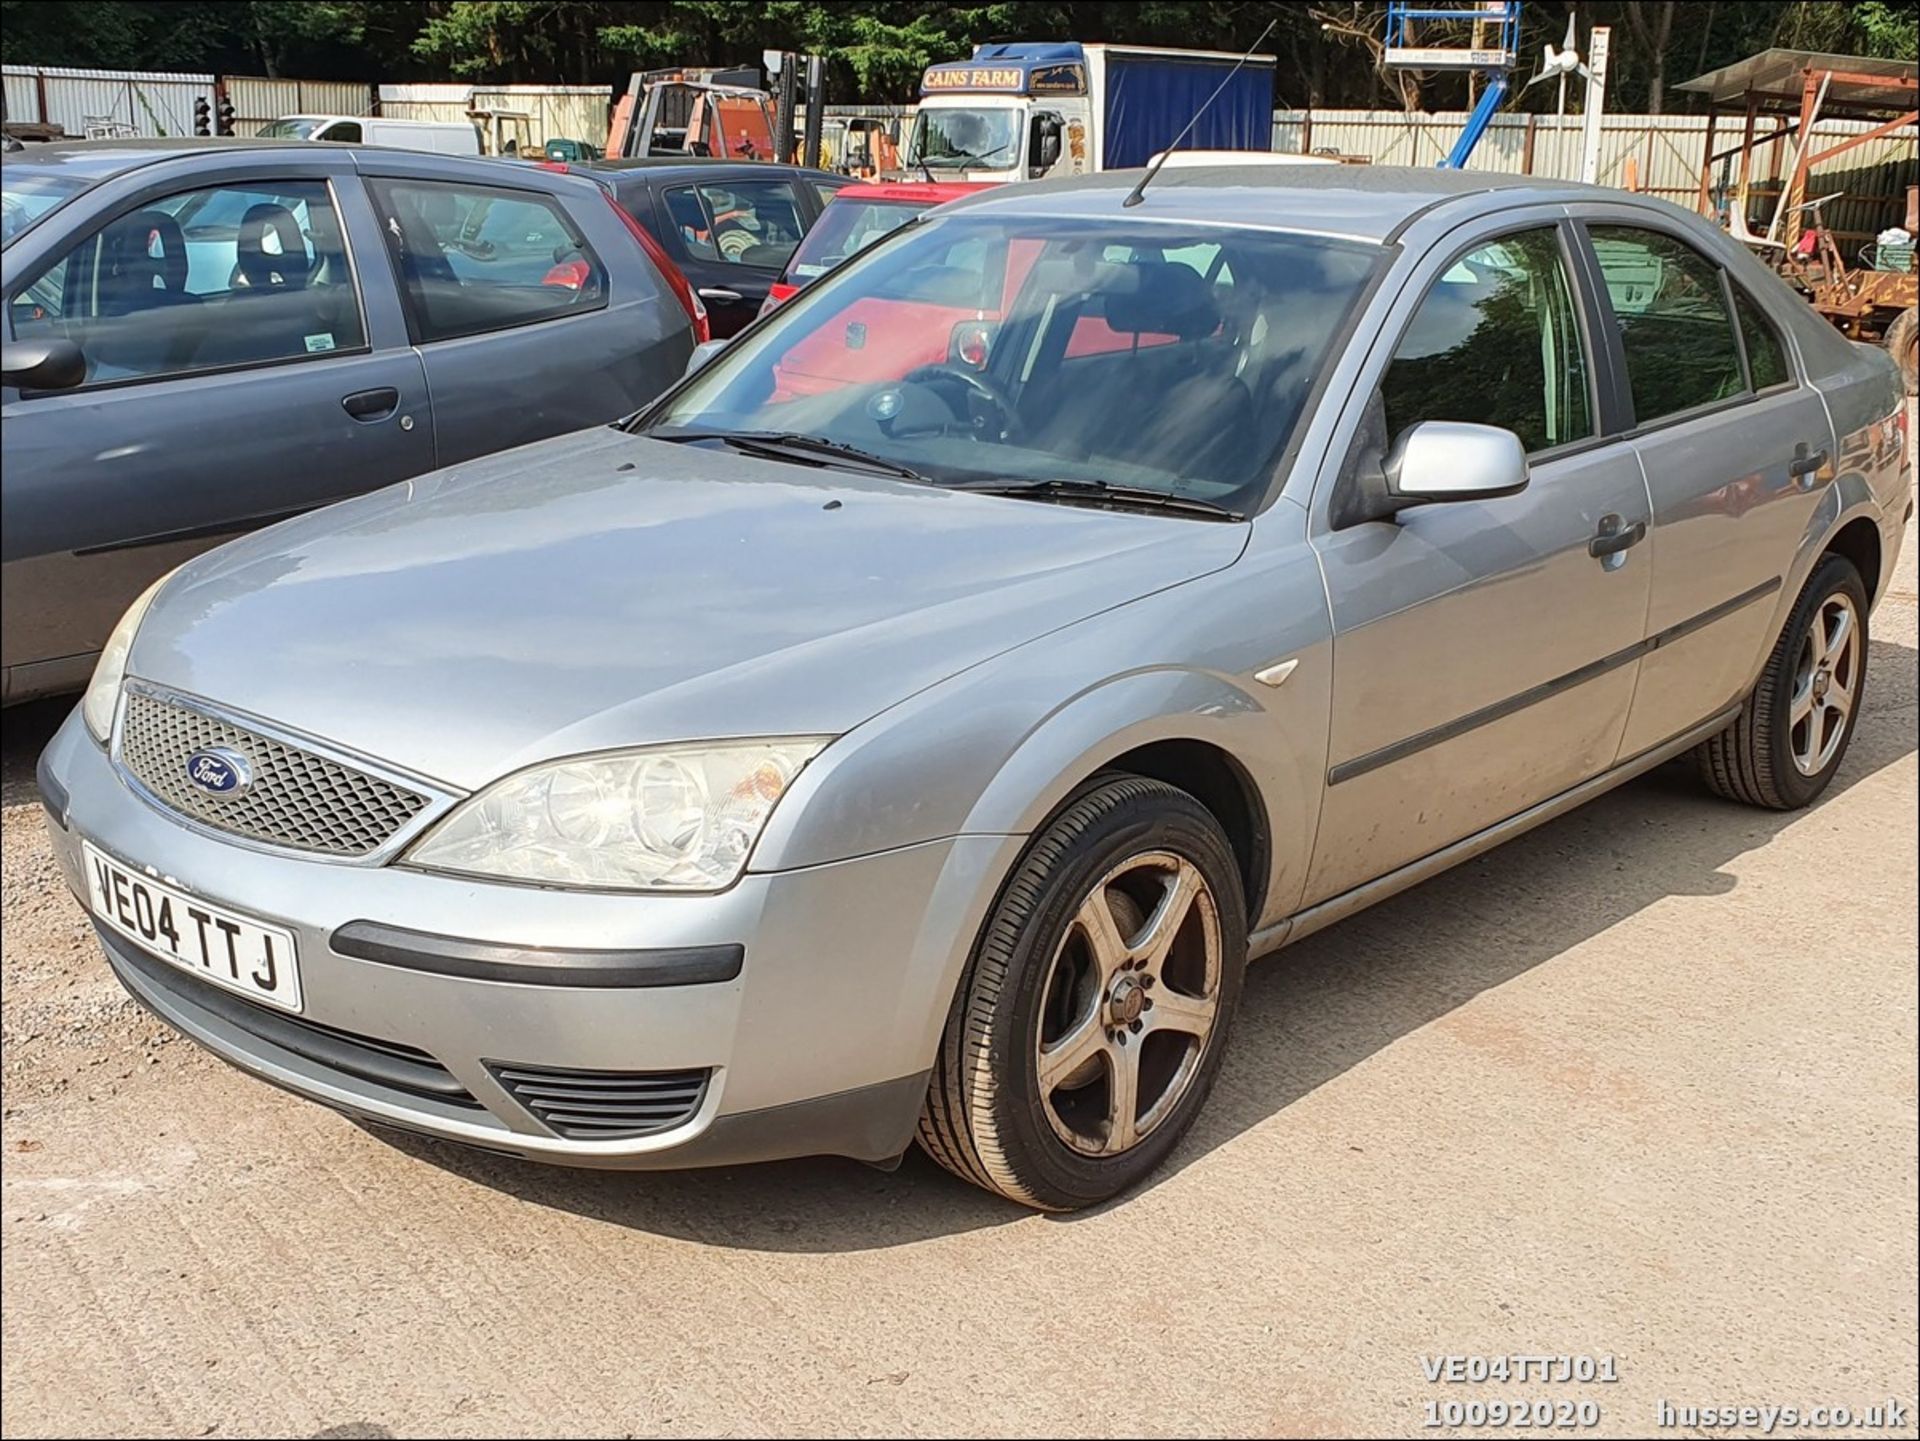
x=1328 y=49
x=1886 y=29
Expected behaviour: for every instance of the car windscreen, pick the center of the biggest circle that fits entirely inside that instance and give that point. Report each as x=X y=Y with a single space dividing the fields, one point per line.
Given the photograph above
x=979 y=349
x=293 y=127
x=28 y=192
x=846 y=227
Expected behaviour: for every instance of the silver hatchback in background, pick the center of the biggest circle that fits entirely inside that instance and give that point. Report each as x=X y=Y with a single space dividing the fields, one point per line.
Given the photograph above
x=910 y=725
x=206 y=336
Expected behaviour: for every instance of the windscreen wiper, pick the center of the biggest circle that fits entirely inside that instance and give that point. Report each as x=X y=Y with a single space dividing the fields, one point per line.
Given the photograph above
x=791 y=445
x=967 y=157
x=1074 y=489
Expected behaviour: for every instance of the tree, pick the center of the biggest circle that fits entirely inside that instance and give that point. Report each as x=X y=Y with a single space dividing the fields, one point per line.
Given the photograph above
x=1330 y=50
x=1651 y=24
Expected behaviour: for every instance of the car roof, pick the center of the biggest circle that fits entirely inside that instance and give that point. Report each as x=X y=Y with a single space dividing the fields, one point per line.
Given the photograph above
x=98 y=159
x=1363 y=202
x=697 y=165
x=92 y=163
x=913 y=192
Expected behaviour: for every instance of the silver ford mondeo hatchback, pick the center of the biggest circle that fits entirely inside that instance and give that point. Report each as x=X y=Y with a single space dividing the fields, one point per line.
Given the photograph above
x=910 y=725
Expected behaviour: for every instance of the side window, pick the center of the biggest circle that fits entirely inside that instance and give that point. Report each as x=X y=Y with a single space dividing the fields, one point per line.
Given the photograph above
x=201 y=280
x=1672 y=313
x=754 y=222
x=347 y=132
x=1766 y=355
x=691 y=220
x=472 y=258
x=824 y=191
x=1496 y=341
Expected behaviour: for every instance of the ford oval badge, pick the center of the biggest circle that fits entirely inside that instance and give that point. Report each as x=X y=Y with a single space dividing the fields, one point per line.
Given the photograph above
x=220 y=770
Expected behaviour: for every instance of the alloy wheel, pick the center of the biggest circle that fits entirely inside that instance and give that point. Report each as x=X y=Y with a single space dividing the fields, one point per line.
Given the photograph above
x=1130 y=1004
x=1825 y=685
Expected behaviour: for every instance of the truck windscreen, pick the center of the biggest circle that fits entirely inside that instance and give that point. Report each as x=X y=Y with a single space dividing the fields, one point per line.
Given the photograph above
x=955 y=139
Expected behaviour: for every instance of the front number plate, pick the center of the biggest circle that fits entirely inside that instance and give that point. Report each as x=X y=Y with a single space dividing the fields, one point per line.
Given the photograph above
x=212 y=942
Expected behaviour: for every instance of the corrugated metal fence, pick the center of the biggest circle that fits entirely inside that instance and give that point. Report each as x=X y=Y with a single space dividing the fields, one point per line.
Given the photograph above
x=127 y=102
x=1665 y=151
x=572 y=112
x=256 y=102
x=111 y=102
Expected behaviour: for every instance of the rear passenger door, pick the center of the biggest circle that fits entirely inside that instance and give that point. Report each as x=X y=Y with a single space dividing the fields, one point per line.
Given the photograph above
x=1737 y=451
x=242 y=365
x=525 y=326
x=737 y=236
x=1485 y=652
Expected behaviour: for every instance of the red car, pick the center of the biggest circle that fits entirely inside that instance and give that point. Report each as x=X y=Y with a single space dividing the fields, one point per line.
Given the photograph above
x=853 y=219
x=951 y=318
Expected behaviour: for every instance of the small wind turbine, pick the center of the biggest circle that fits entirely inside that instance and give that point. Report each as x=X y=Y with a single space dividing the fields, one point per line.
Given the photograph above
x=1559 y=64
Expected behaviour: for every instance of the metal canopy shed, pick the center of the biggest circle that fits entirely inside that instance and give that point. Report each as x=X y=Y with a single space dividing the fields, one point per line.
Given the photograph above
x=1860 y=82
x=1806 y=84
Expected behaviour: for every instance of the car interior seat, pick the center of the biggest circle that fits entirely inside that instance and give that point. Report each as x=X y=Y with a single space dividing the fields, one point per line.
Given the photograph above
x=1185 y=411
x=422 y=256
x=259 y=270
x=133 y=277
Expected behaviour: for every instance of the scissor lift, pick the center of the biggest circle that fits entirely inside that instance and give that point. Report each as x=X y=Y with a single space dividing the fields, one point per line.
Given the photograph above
x=1492 y=49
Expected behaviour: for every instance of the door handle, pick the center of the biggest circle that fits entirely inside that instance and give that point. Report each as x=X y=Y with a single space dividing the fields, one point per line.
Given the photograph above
x=371 y=404
x=715 y=292
x=1613 y=537
x=1806 y=462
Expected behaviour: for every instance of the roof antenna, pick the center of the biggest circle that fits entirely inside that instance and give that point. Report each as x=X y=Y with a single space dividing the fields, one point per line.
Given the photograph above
x=1140 y=190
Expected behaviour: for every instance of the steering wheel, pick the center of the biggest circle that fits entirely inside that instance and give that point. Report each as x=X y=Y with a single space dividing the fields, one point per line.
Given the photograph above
x=1012 y=428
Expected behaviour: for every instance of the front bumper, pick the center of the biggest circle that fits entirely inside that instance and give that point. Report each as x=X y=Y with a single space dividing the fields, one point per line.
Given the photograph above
x=819 y=1044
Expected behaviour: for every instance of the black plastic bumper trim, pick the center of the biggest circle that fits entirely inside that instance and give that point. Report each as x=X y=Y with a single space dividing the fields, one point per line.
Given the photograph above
x=537 y=965
x=384 y=1063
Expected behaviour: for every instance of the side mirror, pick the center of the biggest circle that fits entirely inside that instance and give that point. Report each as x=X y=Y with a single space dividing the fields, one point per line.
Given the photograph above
x=1440 y=460
x=42 y=364
x=702 y=353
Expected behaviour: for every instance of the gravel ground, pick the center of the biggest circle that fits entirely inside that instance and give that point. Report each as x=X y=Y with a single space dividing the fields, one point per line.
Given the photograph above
x=1641 y=1084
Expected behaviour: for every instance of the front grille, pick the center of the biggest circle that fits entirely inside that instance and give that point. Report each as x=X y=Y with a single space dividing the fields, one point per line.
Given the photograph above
x=387 y=1064
x=603 y=1105
x=296 y=798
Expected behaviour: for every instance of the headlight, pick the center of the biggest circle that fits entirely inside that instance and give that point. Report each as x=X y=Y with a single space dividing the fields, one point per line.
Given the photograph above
x=676 y=818
x=103 y=691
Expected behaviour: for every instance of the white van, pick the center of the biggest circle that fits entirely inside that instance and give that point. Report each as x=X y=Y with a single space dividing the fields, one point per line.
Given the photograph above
x=447 y=137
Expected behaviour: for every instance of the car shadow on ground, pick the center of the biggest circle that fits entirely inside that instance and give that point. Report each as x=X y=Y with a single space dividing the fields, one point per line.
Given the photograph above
x=24 y=733
x=1307 y=1015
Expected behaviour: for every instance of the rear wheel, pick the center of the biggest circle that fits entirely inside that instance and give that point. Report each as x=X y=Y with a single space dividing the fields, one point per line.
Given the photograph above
x=1095 y=1009
x=1783 y=748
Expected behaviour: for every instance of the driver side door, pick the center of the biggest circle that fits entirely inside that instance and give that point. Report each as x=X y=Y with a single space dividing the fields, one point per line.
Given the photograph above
x=1484 y=658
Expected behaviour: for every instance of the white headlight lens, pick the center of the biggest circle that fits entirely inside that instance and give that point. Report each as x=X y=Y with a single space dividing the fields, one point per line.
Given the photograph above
x=681 y=818
x=103 y=691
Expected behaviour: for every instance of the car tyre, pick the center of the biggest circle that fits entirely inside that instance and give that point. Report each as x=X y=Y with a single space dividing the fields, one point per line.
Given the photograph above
x=1095 y=1008
x=1790 y=737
